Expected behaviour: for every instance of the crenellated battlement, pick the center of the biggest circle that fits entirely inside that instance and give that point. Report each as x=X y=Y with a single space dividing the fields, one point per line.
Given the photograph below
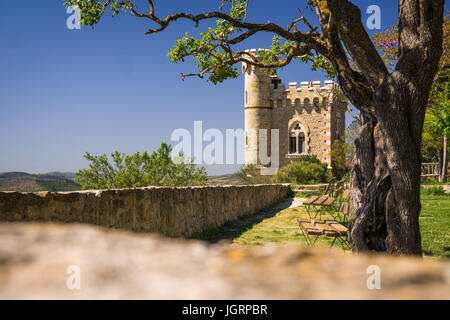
x=308 y=94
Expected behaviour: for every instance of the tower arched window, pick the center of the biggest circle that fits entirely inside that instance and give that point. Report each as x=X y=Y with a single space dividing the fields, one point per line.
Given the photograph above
x=297 y=139
x=306 y=102
x=301 y=142
x=297 y=102
x=292 y=143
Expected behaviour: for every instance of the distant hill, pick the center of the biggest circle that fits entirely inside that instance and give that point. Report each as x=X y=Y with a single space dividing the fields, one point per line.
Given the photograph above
x=226 y=179
x=26 y=182
x=65 y=181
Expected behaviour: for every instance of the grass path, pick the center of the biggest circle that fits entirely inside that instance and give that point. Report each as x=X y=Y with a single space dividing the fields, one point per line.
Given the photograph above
x=279 y=225
x=275 y=225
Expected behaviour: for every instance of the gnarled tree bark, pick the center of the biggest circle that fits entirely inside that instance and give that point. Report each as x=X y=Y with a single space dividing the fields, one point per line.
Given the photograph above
x=385 y=179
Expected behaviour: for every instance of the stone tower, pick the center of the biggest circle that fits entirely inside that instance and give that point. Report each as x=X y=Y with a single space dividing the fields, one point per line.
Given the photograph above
x=308 y=118
x=258 y=112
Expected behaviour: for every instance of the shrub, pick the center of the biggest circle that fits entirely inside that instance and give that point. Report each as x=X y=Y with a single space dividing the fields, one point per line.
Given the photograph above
x=140 y=170
x=305 y=170
x=429 y=181
x=434 y=191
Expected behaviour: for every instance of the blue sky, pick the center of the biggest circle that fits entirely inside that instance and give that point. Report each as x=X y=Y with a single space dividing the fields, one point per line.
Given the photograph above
x=64 y=92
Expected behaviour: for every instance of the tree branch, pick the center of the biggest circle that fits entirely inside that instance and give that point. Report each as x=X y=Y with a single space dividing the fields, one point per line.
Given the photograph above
x=358 y=43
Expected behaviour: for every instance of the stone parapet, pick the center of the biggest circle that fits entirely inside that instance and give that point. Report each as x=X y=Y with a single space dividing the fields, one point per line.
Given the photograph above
x=172 y=212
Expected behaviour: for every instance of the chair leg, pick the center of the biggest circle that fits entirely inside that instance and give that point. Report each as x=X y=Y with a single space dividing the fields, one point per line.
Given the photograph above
x=306 y=236
x=344 y=243
x=308 y=208
x=317 y=237
x=332 y=243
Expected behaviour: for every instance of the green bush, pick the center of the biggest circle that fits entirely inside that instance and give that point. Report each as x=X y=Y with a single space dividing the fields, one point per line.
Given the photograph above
x=140 y=170
x=305 y=170
x=433 y=181
x=434 y=191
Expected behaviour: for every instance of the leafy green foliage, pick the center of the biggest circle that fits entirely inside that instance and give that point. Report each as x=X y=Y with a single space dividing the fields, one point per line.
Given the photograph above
x=276 y=52
x=140 y=170
x=321 y=63
x=207 y=53
x=92 y=10
x=434 y=191
x=341 y=152
x=304 y=170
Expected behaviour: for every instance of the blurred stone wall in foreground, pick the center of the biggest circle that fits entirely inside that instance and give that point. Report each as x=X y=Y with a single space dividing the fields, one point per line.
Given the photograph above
x=38 y=260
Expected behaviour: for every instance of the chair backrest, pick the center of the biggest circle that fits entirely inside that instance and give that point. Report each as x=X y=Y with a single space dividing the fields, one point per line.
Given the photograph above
x=346 y=194
x=340 y=183
x=338 y=189
x=330 y=188
x=344 y=208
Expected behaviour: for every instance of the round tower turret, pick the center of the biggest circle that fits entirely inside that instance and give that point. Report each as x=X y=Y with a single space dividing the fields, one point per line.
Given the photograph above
x=258 y=113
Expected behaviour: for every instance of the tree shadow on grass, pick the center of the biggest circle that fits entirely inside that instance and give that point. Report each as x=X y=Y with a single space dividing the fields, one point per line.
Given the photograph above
x=234 y=229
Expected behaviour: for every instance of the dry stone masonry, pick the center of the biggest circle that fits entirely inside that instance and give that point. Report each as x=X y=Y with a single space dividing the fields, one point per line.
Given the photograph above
x=173 y=212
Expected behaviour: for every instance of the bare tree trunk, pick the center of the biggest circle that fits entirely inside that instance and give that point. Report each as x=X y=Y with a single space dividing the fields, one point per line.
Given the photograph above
x=385 y=179
x=443 y=177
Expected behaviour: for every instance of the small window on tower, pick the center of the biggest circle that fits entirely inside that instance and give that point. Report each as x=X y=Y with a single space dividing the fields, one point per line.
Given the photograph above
x=246 y=97
x=275 y=83
x=292 y=144
x=301 y=143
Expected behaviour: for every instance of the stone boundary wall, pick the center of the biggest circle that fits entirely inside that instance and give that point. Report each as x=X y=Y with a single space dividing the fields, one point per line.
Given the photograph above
x=172 y=212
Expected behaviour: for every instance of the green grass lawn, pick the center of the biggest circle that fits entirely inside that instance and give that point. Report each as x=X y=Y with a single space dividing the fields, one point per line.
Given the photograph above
x=435 y=225
x=279 y=225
